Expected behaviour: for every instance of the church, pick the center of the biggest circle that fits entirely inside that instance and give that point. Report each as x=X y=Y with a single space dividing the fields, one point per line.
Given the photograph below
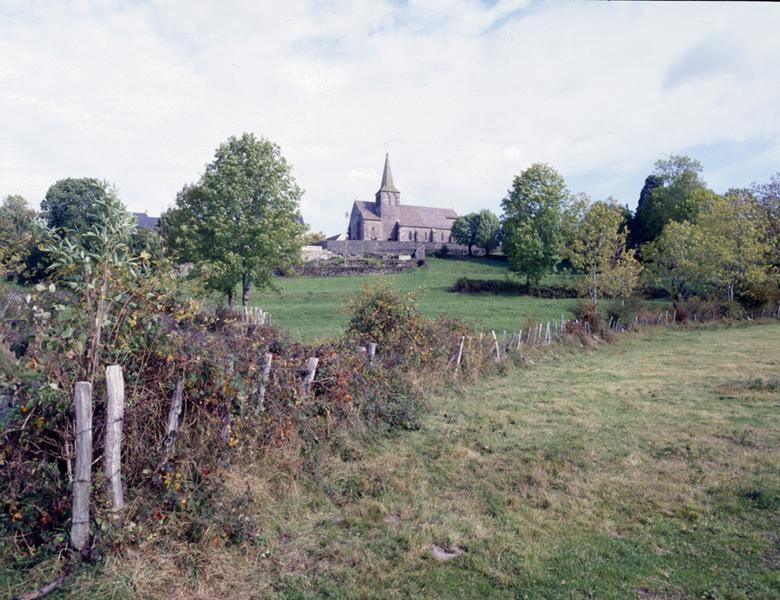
x=387 y=219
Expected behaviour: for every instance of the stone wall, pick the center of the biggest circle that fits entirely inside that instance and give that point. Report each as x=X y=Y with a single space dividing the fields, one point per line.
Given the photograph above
x=381 y=247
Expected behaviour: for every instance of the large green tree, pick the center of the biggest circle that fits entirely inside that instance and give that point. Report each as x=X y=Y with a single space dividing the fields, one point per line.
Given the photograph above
x=674 y=192
x=464 y=230
x=724 y=252
x=533 y=221
x=241 y=220
x=70 y=203
x=767 y=196
x=17 y=236
x=488 y=231
x=599 y=249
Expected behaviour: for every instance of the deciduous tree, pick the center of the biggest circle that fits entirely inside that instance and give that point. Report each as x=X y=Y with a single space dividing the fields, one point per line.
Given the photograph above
x=241 y=220
x=532 y=221
x=724 y=252
x=17 y=235
x=599 y=248
x=464 y=230
x=488 y=235
x=674 y=192
x=69 y=203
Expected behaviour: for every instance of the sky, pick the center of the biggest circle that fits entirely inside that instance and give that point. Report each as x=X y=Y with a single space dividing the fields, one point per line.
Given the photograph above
x=464 y=95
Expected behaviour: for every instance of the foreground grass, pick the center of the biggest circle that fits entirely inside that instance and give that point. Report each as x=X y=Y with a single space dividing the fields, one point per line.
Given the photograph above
x=315 y=307
x=645 y=469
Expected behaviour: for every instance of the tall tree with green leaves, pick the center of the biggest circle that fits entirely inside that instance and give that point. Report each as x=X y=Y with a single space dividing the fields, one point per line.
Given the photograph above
x=599 y=248
x=464 y=230
x=241 y=220
x=533 y=221
x=724 y=252
x=17 y=236
x=767 y=196
x=488 y=236
x=69 y=203
x=674 y=192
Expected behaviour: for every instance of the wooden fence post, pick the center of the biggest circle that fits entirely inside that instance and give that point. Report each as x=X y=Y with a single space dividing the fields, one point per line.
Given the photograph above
x=371 y=354
x=173 y=420
x=503 y=343
x=79 y=528
x=265 y=377
x=460 y=353
x=495 y=341
x=115 y=411
x=311 y=371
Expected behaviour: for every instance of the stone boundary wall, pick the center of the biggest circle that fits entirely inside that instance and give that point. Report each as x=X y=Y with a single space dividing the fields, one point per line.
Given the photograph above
x=363 y=247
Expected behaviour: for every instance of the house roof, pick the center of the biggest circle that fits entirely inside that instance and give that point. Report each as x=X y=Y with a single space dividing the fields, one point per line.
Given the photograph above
x=412 y=216
x=144 y=221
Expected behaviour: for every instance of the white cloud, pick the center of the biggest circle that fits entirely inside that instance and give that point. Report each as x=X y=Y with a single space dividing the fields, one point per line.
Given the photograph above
x=463 y=95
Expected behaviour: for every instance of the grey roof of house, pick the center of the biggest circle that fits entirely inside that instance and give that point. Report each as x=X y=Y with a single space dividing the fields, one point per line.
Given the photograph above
x=412 y=216
x=144 y=221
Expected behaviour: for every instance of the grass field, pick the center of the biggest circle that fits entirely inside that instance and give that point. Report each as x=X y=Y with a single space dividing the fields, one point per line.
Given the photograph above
x=314 y=307
x=645 y=469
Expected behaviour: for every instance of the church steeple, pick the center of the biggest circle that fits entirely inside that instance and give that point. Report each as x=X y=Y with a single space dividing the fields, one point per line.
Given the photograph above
x=387 y=177
x=388 y=197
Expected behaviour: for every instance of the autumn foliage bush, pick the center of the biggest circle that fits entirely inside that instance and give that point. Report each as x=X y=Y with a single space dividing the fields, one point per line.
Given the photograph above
x=166 y=336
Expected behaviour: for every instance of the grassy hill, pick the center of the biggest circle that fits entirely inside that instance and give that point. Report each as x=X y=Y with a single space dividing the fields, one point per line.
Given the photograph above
x=314 y=307
x=645 y=469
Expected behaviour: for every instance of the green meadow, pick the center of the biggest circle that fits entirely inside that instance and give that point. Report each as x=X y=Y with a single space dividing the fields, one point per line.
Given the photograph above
x=644 y=469
x=313 y=308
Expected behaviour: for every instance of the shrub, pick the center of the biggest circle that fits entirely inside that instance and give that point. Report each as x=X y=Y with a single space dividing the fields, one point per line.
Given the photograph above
x=442 y=252
x=382 y=315
x=588 y=312
x=464 y=285
x=627 y=311
x=707 y=309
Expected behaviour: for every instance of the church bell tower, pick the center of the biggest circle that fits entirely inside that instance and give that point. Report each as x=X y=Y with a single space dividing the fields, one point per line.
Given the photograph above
x=388 y=198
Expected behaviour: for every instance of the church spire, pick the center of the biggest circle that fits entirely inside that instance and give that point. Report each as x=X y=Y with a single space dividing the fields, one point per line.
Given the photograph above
x=387 y=177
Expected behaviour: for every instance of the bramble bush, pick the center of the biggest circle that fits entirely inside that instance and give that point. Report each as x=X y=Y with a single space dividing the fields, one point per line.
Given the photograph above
x=159 y=334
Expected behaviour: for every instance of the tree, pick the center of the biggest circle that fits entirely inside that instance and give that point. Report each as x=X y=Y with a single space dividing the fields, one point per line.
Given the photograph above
x=600 y=249
x=533 y=231
x=488 y=236
x=767 y=196
x=670 y=259
x=241 y=220
x=673 y=192
x=69 y=203
x=17 y=236
x=464 y=230
x=724 y=252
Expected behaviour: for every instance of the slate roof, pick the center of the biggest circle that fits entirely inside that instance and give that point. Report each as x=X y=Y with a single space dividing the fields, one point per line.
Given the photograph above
x=412 y=216
x=427 y=216
x=367 y=210
x=144 y=221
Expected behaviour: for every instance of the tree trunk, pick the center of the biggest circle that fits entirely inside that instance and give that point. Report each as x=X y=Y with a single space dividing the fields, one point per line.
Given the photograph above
x=470 y=250
x=230 y=295
x=245 y=287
